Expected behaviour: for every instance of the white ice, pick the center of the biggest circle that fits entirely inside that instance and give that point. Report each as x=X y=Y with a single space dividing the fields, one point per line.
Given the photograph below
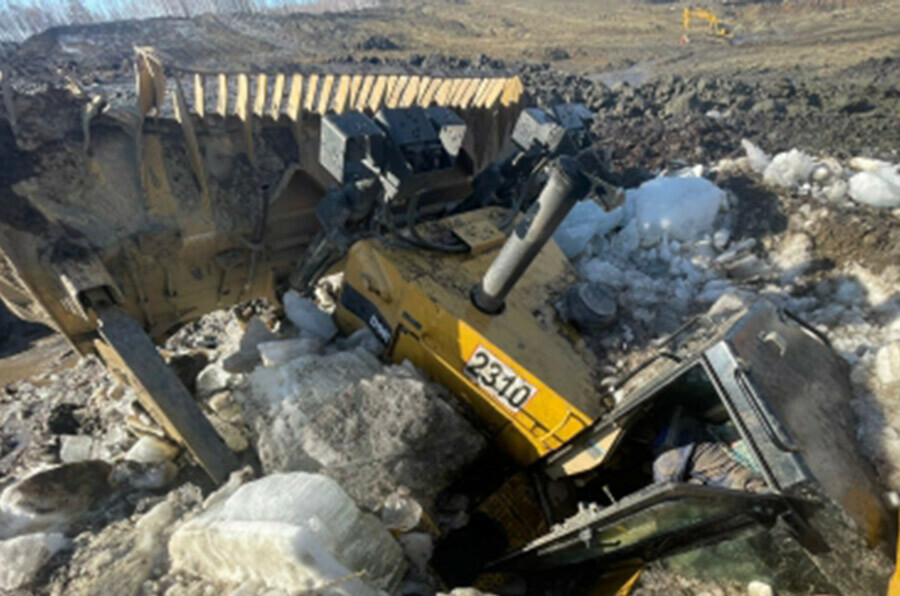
x=674 y=208
x=879 y=188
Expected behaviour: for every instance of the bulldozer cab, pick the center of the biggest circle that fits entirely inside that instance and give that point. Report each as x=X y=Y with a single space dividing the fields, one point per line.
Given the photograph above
x=722 y=433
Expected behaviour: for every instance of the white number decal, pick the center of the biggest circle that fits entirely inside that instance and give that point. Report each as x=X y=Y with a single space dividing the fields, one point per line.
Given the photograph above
x=499 y=380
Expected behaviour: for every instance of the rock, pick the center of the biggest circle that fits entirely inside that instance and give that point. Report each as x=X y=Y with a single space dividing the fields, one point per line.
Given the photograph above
x=274 y=353
x=213 y=379
x=307 y=317
x=556 y=54
x=187 y=365
x=887 y=363
x=23 y=557
x=152 y=450
x=247 y=355
x=232 y=436
x=226 y=407
x=52 y=499
x=683 y=104
x=391 y=430
x=295 y=532
x=377 y=42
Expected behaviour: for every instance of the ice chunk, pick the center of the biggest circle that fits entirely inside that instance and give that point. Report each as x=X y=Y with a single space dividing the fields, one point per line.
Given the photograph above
x=144 y=475
x=586 y=220
x=278 y=402
x=418 y=547
x=24 y=556
x=758 y=588
x=74 y=448
x=151 y=450
x=297 y=532
x=306 y=316
x=721 y=237
x=599 y=271
x=392 y=430
x=789 y=169
x=674 y=208
x=794 y=257
x=400 y=511
x=880 y=188
x=887 y=363
x=867 y=164
x=213 y=379
x=311 y=379
x=275 y=353
x=247 y=356
x=364 y=338
x=759 y=160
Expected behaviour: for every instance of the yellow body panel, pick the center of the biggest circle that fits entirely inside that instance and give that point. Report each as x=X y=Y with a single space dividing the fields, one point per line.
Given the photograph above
x=422 y=299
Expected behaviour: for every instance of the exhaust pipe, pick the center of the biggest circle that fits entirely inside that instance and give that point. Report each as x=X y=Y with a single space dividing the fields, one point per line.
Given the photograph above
x=567 y=185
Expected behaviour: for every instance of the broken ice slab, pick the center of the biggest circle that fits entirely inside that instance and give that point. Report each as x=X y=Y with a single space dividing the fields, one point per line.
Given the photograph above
x=789 y=169
x=150 y=449
x=307 y=317
x=295 y=532
x=674 y=208
x=586 y=220
x=247 y=356
x=23 y=557
x=878 y=188
x=276 y=353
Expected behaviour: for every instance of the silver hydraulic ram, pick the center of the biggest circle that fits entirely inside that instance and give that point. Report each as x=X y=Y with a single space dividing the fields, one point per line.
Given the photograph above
x=566 y=186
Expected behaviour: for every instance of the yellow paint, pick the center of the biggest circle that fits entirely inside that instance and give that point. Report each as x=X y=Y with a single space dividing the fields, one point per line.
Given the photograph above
x=325 y=96
x=160 y=201
x=199 y=95
x=355 y=84
x=894 y=586
x=426 y=297
x=262 y=87
x=409 y=95
x=277 y=96
x=294 y=101
x=361 y=99
x=342 y=95
x=311 y=92
x=397 y=92
x=428 y=95
x=222 y=106
x=377 y=94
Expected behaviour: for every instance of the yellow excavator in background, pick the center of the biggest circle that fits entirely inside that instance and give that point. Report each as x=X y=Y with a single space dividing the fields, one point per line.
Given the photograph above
x=716 y=27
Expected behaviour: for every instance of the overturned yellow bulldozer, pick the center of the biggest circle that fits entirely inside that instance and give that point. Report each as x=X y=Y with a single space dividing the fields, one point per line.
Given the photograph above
x=138 y=210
